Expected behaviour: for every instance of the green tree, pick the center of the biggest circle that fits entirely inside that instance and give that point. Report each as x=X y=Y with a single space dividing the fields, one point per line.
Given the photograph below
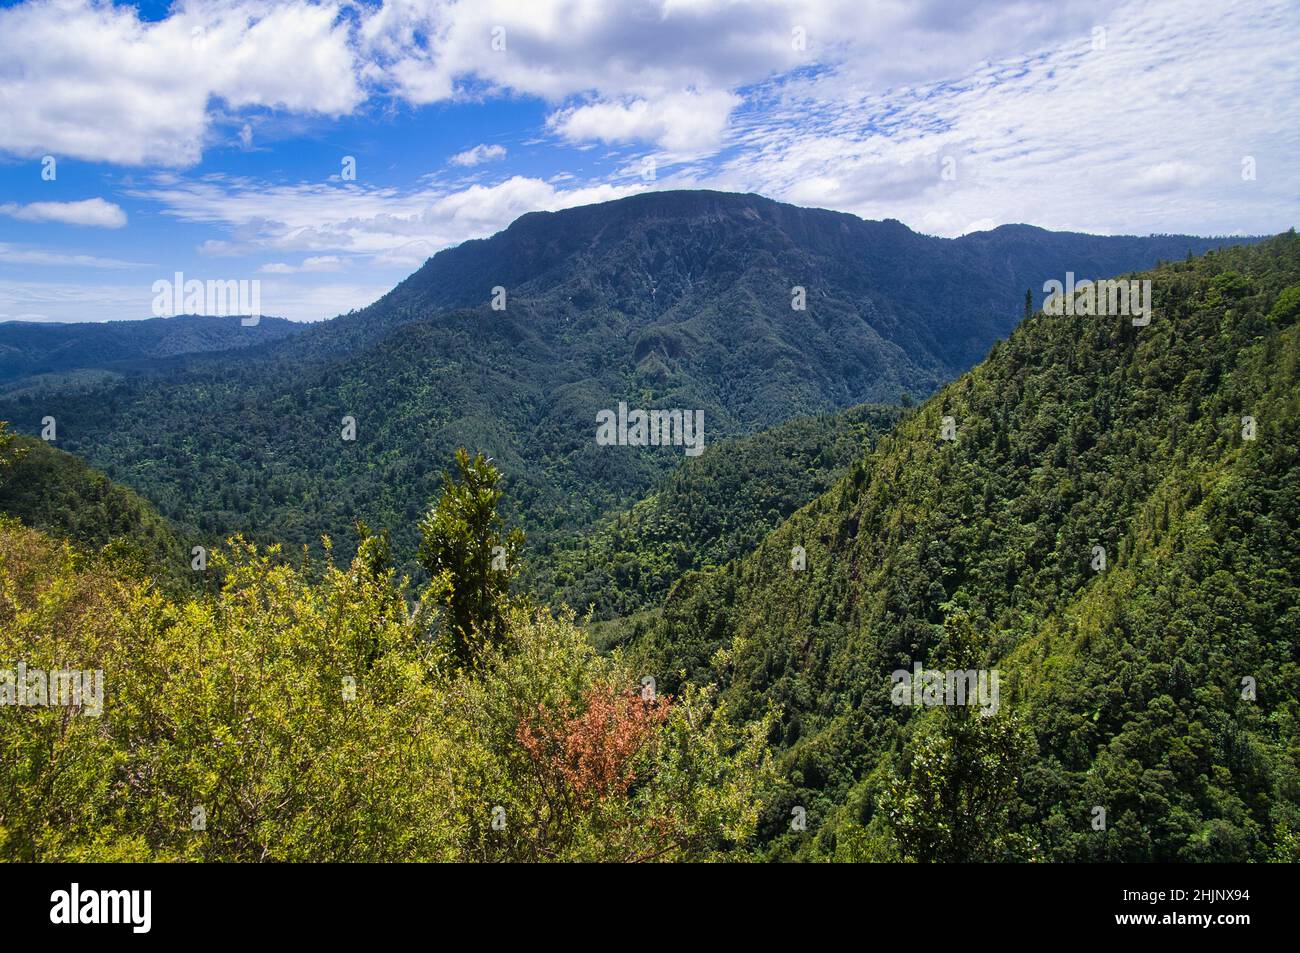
x=464 y=540
x=955 y=796
x=297 y=716
x=1287 y=307
x=9 y=454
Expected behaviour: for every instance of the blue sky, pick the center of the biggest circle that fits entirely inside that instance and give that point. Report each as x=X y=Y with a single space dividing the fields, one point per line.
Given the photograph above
x=209 y=137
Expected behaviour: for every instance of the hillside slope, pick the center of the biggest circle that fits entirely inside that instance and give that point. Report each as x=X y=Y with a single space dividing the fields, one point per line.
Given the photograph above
x=58 y=494
x=1122 y=688
x=710 y=510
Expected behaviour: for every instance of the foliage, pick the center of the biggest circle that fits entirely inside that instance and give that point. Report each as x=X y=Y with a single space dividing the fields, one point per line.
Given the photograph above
x=308 y=714
x=56 y=492
x=707 y=512
x=10 y=450
x=465 y=544
x=955 y=801
x=1077 y=432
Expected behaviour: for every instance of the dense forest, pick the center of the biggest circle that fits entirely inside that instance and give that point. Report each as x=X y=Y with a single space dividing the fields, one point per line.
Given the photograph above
x=1159 y=685
x=707 y=512
x=1104 y=516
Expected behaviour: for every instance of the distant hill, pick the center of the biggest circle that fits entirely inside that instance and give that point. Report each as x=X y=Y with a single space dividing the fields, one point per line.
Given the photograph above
x=30 y=348
x=661 y=300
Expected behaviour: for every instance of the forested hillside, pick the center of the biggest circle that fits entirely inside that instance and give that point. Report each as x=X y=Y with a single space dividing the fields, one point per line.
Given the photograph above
x=59 y=494
x=709 y=511
x=664 y=300
x=1160 y=688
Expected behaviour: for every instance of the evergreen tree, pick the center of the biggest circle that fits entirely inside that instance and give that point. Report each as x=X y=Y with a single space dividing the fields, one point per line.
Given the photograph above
x=464 y=539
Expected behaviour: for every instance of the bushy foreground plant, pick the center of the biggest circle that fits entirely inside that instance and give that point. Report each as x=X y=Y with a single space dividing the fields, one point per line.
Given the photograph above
x=323 y=714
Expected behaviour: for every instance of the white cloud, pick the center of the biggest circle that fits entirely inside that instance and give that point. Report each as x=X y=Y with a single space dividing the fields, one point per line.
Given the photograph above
x=315 y=263
x=18 y=255
x=384 y=223
x=478 y=154
x=1145 y=135
x=407 y=255
x=686 y=122
x=1169 y=176
x=648 y=48
x=93 y=81
x=95 y=212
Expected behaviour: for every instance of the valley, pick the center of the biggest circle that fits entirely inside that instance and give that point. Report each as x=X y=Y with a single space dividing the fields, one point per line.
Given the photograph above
x=874 y=497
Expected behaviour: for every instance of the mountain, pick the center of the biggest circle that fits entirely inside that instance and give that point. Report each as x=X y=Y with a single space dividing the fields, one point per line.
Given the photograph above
x=665 y=300
x=715 y=270
x=1149 y=688
x=29 y=349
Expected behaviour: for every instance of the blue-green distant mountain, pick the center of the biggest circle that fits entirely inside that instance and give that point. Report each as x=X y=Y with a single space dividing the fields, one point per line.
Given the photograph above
x=29 y=348
x=667 y=300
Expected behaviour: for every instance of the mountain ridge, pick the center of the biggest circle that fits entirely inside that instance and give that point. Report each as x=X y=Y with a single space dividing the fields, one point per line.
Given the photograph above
x=664 y=300
x=30 y=348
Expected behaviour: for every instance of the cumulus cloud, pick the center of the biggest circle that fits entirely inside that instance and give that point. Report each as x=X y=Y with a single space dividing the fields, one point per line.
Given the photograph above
x=478 y=154
x=96 y=212
x=685 y=122
x=94 y=81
